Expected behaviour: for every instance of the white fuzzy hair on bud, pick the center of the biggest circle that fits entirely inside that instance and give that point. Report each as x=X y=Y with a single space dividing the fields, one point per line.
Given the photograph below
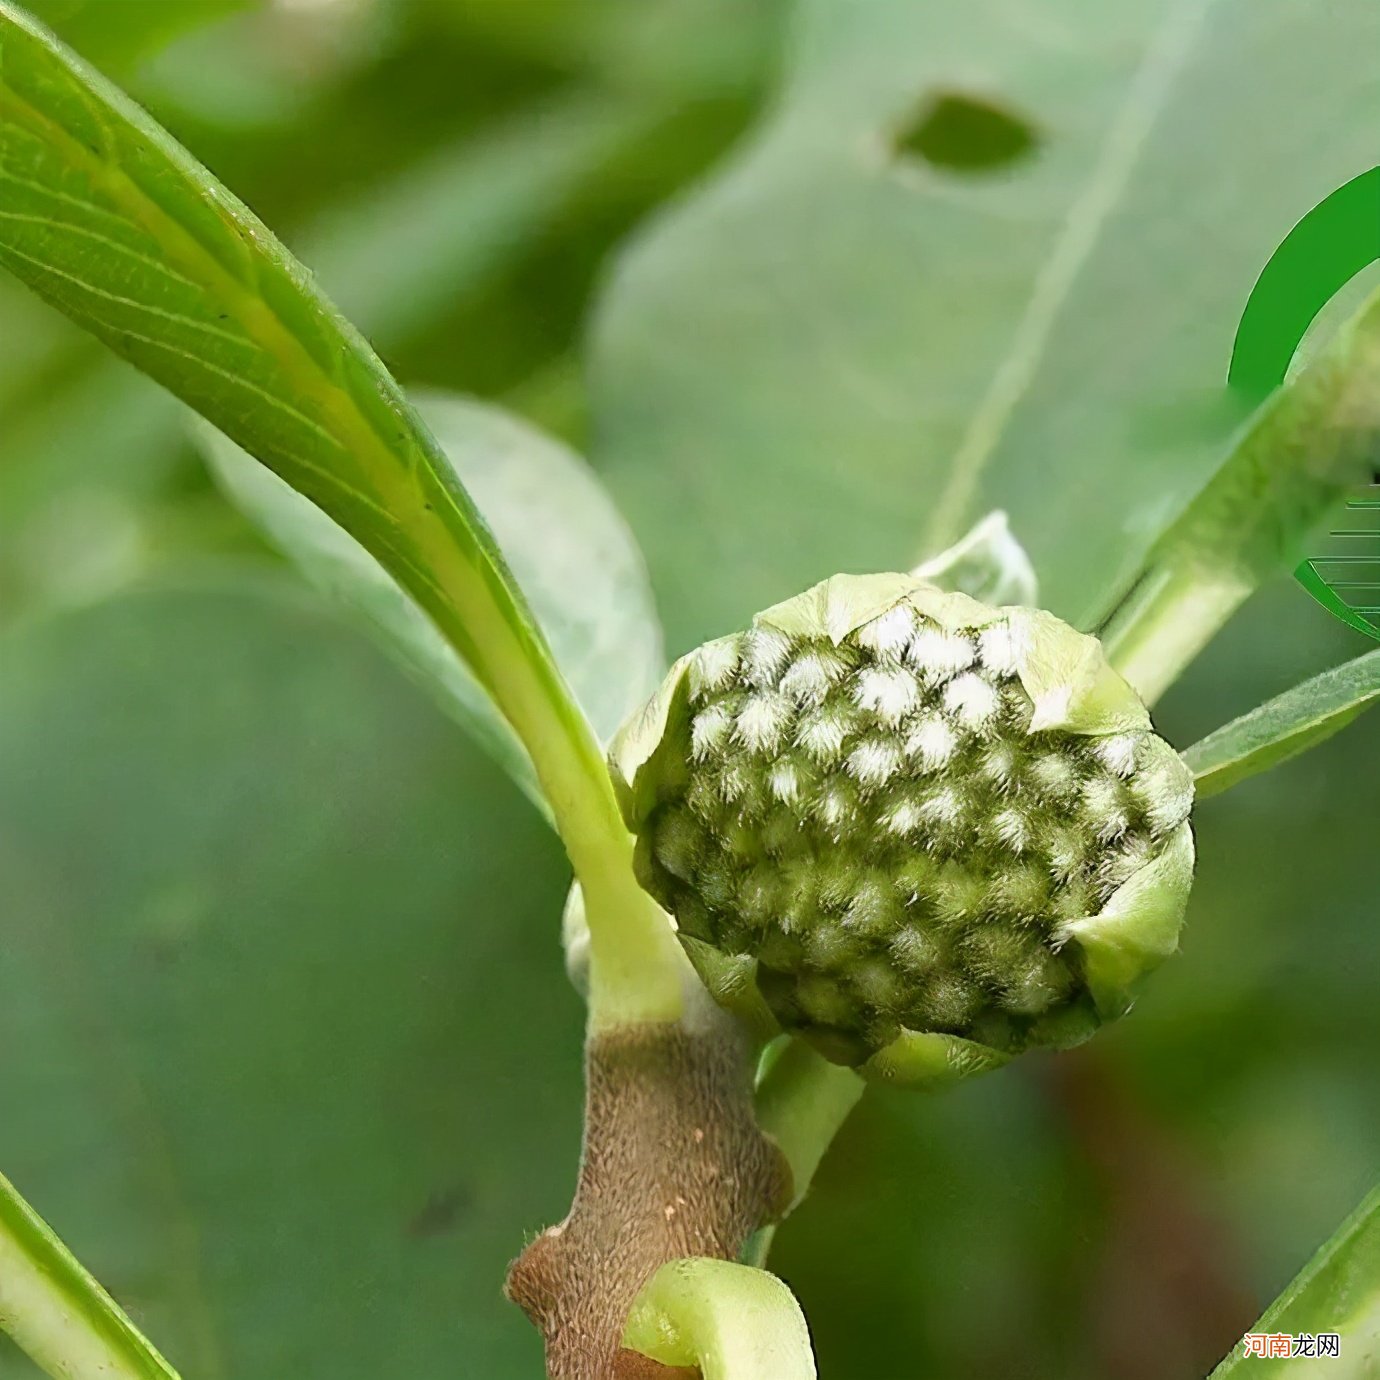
x=889 y=634
x=1117 y=752
x=709 y=731
x=765 y=653
x=889 y=693
x=971 y=701
x=938 y=653
x=762 y=721
x=999 y=649
x=811 y=677
x=874 y=762
x=714 y=666
x=907 y=810
x=931 y=742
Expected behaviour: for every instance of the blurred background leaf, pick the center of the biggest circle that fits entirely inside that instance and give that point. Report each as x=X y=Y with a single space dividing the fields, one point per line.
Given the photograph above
x=288 y=945
x=457 y=192
x=989 y=257
x=269 y=1066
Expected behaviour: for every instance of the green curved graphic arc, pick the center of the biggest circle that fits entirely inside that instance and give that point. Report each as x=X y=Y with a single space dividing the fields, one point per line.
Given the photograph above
x=1307 y=575
x=1337 y=239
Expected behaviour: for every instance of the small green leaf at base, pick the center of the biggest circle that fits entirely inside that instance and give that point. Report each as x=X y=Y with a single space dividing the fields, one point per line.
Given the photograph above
x=1285 y=726
x=1338 y=1291
x=732 y=1321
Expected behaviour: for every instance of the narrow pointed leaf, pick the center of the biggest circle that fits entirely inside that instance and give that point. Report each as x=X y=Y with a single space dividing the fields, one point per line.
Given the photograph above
x=108 y=218
x=57 y=1312
x=1338 y=1291
x=1291 y=723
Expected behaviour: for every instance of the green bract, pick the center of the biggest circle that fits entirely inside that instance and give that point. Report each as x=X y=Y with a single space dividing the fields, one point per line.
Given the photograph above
x=920 y=831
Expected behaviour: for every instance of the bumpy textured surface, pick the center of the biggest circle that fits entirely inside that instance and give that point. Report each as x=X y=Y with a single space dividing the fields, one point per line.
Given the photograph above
x=874 y=820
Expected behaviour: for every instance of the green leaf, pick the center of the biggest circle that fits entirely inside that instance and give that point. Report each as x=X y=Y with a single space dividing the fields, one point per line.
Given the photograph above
x=396 y=257
x=1313 y=442
x=732 y=1321
x=119 y=227
x=842 y=352
x=57 y=1312
x=307 y=954
x=1337 y=1291
x=565 y=540
x=1291 y=723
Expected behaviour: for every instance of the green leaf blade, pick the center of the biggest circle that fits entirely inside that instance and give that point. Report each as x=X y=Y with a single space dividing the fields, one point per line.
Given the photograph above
x=1316 y=440
x=1291 y=723
x=57 y=1312
x=121 y=229
x=1337 y=1291
x=276 y=368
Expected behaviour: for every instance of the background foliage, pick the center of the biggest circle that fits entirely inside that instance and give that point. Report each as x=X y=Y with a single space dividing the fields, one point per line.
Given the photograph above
x=290 y=1057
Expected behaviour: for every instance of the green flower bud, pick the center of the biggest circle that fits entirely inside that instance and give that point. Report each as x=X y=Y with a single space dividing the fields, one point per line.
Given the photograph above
x=922 y=832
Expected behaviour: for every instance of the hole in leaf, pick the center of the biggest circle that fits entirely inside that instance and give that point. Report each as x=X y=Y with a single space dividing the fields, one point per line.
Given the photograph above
x=965 y=133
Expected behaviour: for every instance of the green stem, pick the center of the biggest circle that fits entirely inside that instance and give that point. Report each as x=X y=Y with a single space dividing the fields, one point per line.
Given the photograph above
x=802 y=1102
x=1309 y=445
x=733 y=1322
x=1164 y=626
x=57 y=1312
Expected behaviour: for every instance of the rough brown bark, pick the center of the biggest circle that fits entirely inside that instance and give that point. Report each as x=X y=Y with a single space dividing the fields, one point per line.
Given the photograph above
x=674 y=1165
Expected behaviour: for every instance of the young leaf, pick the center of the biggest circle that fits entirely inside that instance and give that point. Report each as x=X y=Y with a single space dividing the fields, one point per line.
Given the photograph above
x=118 y=226
x=1338 y=1291
x=732 y=1321
x=57 y=1312
x=567 y=544
x=1313 y=442
x=1291 y=723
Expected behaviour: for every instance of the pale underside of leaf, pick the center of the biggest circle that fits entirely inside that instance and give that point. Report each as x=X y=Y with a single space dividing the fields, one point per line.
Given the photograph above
x=733 y=1322
x=567 y=544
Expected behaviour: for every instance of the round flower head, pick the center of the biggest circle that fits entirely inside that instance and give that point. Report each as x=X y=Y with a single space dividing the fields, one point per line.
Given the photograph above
x=919 y=831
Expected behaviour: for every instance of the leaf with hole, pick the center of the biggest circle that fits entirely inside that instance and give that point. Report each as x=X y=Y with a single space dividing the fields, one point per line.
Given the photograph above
x=846 y=349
